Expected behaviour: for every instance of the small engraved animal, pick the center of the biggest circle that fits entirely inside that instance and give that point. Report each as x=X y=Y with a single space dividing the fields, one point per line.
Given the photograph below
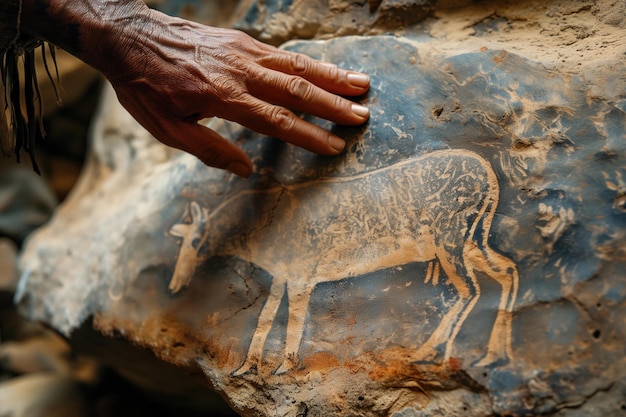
x=193 y=234
x=437 y=208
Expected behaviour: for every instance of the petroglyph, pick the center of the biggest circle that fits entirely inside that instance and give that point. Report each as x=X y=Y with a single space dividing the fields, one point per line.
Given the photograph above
x=437 y=208
x=189 y=255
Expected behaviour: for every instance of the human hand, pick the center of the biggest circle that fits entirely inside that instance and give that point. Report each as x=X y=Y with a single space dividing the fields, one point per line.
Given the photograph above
x=172 y=73
x=169 y=73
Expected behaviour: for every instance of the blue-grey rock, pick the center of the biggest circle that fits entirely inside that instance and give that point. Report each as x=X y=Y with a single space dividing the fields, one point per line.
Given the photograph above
x=466 y=255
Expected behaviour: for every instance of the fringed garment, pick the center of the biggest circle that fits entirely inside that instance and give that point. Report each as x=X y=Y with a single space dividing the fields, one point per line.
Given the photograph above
x=21 y=118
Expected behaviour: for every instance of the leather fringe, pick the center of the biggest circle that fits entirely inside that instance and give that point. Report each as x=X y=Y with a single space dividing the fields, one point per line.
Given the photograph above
x=21 y=121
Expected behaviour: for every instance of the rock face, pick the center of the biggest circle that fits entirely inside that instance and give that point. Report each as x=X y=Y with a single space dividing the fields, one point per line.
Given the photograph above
x=281 y=20
x=466 y=255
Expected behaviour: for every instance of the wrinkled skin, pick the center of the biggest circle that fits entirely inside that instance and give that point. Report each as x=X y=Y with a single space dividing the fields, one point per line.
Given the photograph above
x=169 y=73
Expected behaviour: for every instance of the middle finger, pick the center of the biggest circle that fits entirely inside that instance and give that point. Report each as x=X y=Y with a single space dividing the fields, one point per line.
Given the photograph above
x=298 y=94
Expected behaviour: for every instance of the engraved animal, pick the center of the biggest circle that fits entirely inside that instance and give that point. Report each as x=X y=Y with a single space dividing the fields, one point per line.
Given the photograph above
x=193 y=236
x=437 y=208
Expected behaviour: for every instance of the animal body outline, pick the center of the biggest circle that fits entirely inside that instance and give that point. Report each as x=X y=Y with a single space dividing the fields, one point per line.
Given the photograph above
x=437 y=208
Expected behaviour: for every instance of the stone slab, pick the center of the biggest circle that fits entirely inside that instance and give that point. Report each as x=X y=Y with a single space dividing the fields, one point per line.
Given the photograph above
x=465 y=254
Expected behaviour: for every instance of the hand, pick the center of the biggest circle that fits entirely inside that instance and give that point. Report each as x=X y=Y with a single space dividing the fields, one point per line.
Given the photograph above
x=185 y=72
x=169 y=73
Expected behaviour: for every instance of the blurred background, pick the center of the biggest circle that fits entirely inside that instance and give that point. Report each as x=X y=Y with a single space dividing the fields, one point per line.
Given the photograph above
x=40 y=375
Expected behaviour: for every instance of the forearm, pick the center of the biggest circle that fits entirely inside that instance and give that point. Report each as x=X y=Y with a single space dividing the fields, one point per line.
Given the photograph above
x=96 y=31
x=169 y=73
x=93 y=30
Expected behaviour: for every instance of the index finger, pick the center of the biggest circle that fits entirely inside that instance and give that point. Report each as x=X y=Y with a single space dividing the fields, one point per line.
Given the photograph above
x=324 y=75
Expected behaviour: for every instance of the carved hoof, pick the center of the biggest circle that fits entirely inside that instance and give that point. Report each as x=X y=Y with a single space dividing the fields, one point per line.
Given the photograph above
x=176 y=286
x=282 y=369
x=285 y=367
x=427 y=355
x=491 y=360
x=246 y=368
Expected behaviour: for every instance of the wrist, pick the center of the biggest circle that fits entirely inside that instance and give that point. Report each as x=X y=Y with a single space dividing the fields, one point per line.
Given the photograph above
x=109 y=43
x=95 y=31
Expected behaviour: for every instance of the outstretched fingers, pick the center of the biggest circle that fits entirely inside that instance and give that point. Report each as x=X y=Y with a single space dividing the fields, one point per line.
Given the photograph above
x=298 y=94
x=281 y=123
x=327 y=76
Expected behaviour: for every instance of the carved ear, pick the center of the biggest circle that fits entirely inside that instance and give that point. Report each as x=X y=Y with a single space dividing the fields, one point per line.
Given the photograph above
x=196 y=211
x=179 y=230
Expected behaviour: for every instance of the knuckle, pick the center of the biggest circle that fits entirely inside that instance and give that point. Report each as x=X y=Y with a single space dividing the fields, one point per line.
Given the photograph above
x=299 y=89
x=298 y=63
x=233 y=37
x=244 y=44
x=212 y=156
x=340 y=104
x=228 y=90
x=232 y=59
x=236 y=95
x=282 y=118
x=333 y=73
x=237 y=35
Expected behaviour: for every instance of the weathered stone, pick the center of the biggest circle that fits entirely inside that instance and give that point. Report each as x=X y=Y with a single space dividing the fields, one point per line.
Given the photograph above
x=276 y=21
x=466 y=255
x=280 y=20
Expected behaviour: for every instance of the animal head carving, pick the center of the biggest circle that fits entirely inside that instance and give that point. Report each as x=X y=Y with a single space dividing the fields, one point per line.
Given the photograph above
x=193 y=236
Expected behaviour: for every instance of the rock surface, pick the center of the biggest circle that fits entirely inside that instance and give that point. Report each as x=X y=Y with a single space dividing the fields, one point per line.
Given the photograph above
x=278 y=21
x=464 y=256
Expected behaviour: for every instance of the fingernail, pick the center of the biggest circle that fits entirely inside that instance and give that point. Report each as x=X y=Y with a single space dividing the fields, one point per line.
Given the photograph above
x=358 y=80
x=336 y=143
x=239 y=169
x=360 y=111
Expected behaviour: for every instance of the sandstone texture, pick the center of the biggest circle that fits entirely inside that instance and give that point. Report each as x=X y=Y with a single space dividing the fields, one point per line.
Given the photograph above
x=465 y=256
x=281 y=20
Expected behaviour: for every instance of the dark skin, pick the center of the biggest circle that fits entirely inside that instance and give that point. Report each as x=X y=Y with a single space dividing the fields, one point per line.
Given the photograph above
x=169 y=73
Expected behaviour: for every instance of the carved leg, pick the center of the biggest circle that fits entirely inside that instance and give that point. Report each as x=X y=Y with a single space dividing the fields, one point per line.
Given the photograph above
x=432 y=273
x=428 y=352
x=298 y=307
x=504 y=271
x=192 y=235
x=453 y=320
x=263 y=327
x=185 y=268
x=475 y=295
